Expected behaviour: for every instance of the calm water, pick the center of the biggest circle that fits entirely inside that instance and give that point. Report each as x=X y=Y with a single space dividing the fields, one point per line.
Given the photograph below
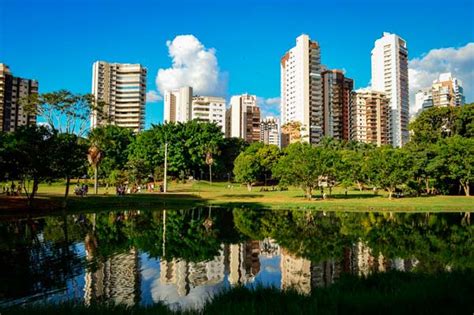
x=183 y=257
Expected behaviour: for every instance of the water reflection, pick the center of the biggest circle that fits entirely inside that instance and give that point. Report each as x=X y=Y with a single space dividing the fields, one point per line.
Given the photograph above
x=184 y=257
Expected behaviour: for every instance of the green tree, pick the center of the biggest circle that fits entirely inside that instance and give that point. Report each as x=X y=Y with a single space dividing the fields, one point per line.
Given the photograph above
x=455 y=160
x=246 y=169
x=301 y=165
x=30 y=150
x=64 y=111
x=68 y=157
x=389 y=168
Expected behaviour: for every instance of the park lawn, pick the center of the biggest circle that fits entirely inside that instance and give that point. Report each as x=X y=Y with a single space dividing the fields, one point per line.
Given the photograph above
x=222 y=194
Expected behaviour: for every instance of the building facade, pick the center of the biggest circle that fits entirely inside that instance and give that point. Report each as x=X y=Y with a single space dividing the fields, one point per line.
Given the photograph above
x=243 y=118
x=270 y=131
x=390 y=75
x=337 y=91
x=209 y=109
x=178 y=104
x=370 y=113
x=447 y=91
x=120 y=88
x=424 y=99
x=302 y=89
x=12 y=91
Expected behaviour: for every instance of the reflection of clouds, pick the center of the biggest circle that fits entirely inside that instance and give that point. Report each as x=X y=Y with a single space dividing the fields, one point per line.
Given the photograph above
x=272 y=269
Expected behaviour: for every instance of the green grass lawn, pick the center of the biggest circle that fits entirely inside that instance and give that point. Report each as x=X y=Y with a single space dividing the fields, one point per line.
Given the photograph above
x=235 y=195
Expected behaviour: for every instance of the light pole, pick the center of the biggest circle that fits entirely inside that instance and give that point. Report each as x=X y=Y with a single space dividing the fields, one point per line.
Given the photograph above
x=165 y=180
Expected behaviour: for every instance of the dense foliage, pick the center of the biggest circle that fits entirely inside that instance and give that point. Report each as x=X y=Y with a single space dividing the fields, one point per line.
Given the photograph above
x=437 y=160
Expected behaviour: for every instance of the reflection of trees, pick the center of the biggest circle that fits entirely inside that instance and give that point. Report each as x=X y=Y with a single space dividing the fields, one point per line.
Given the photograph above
x=436 y=241
x=30 y=262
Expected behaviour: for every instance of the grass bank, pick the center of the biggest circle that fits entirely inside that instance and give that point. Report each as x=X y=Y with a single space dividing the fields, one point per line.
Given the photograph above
x=235 y=195
x=389 y=293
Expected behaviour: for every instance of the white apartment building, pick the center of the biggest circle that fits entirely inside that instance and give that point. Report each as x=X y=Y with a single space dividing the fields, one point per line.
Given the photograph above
x=243 y=118
x=390 y=75
x=209 y=109
x=423 y=99
x=270 y=131
x=302 y=88
x=178 y=104
x=121 y=87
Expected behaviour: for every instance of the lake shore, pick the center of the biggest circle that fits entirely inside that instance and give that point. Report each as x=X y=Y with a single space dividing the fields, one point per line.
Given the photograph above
x=50 y=199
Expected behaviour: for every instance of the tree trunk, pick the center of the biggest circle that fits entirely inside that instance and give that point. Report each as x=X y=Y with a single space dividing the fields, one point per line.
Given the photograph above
x=249 y=187
x=68 y=180
x=309 y=193
x=465 y=186
x=427 y=184
x=359 y=185
x=33 y=192
x=210 y=174
x=390 y=192
x=96 y=184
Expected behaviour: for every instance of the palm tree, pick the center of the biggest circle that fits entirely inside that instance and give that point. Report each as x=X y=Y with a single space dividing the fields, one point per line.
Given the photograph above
x=210 y=149
x=95 y=155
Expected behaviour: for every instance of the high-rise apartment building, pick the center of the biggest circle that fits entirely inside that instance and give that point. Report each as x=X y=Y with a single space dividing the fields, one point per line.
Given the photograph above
x=424 y=99
x=209 y=109
x=121 y=88
x=178 y=104
x=337 y=91
x=270 y=131
x=302 y=89
x=12 y=90
x=447 y=91
x=390 y=75
x=243 y=118
x=370 y=117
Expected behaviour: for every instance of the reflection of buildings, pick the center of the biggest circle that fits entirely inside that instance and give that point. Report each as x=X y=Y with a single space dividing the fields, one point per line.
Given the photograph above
x=116 y=279
x=269 y=248
x=188 y=275
x=302 y=275
x=363 y=261
x=244 y=263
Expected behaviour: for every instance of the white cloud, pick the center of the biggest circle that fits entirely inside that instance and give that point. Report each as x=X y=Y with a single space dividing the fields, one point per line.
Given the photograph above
x=194 y=65
x=269 y=106
x=459 y=61
x=153 y=97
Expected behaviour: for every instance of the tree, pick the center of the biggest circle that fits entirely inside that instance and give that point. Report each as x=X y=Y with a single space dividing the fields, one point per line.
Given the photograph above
x=455 y=160
x=267 y=156
x=440 y=122
x=246 y=169
x=301 y=166
x=188 y=145
x=63 y=110
x=390 y=168
x=30 y=154
x=94 y=154
x=68 y=157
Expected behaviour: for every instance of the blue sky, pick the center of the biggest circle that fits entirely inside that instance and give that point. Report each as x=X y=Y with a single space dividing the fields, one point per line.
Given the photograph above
x=56 y=42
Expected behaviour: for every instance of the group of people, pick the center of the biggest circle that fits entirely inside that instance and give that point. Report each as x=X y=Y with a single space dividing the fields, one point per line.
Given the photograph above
x=12 y=190
x=121 y=190
x=81 y=190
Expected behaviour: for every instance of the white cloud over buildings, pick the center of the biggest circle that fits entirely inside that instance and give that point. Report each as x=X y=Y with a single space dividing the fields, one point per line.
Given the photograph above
x=194 y=65
x=457 y=60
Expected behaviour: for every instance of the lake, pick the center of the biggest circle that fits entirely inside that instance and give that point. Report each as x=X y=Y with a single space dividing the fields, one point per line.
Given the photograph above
x=184 y=257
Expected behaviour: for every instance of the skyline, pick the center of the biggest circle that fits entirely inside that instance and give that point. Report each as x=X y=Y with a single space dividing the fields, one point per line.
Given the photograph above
x=245 y=56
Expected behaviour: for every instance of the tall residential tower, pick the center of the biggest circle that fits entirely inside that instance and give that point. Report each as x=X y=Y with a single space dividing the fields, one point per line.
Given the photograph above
x=243 y=118
x=12 y=90
x=302 y=89
x=390 y=75
x=121 y=88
